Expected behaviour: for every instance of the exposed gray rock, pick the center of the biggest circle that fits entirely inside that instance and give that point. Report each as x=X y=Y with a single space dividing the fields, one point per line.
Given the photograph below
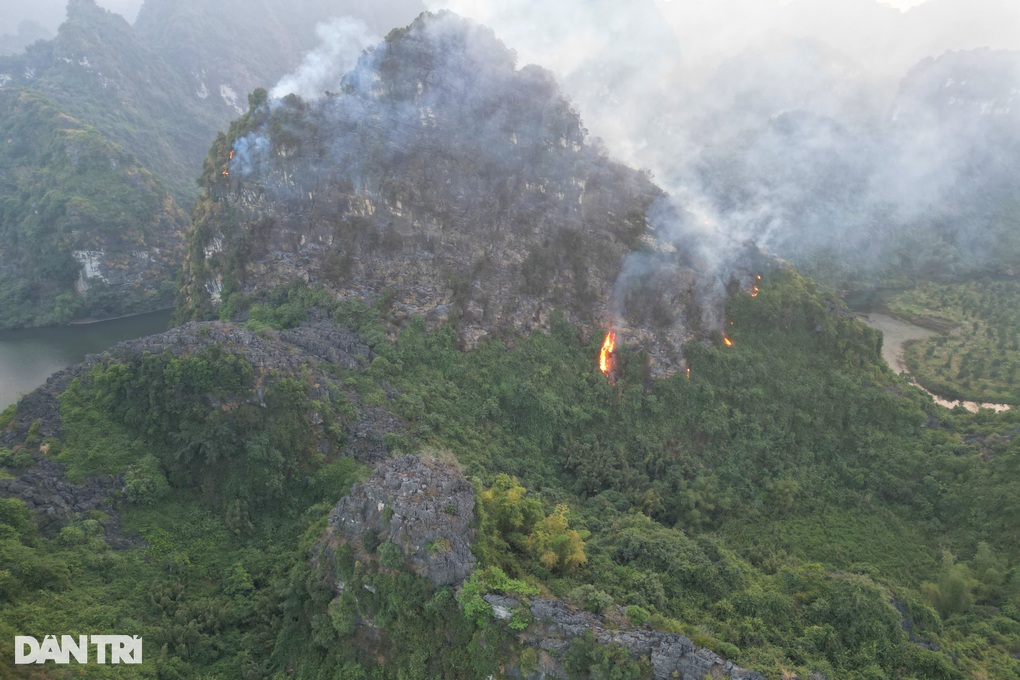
x=423 y=506
x=330 y=343
x=673 y=657
x=57 y=502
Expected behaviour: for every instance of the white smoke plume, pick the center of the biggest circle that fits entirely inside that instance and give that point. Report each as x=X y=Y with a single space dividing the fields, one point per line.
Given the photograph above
x=776 y=122
x=342 y=41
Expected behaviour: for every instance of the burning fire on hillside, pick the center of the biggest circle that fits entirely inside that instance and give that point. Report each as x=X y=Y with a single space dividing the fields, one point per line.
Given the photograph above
x=606 y=357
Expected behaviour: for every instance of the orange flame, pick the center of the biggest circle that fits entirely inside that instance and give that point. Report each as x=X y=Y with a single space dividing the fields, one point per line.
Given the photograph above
x=229 y=158
x=754 y=292
x=688 y=372
x=605 y=356
x=727 y=341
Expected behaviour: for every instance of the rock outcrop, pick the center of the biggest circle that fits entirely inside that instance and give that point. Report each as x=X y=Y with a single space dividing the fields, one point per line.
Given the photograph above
x=555 y=624
x=421 y=505
x=426 y=508
x=300 y=350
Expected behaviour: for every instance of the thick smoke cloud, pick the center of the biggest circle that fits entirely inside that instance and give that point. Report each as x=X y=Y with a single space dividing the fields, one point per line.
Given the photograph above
x=808 y=128
x=341 y=42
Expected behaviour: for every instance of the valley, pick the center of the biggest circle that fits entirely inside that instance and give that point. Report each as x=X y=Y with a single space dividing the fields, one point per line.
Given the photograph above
x=899 y=338
x=507 y=345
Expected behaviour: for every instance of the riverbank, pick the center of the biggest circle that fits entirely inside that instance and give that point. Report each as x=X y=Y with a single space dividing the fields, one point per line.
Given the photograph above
x=88 y=321
x=28 y=356
x=897 y=334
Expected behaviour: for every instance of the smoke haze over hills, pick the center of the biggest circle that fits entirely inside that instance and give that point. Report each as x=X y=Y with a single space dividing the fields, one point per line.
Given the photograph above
x=794 y=124
x=798 y=125
x=50 y=13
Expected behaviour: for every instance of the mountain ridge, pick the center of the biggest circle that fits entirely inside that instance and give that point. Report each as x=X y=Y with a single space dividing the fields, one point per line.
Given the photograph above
x=440 y=175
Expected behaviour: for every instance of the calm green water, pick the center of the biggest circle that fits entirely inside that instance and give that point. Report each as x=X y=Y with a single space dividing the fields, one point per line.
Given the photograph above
x=29 y=356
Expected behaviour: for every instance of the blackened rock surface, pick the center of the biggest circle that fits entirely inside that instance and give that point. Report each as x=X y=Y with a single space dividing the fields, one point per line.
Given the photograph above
x=423 y=506
x=673 y=657
x=331 y=344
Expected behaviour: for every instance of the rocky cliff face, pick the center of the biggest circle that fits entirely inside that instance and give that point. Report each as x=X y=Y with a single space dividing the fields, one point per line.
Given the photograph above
x=99 y=70
x=440 y=172
x=166 y=85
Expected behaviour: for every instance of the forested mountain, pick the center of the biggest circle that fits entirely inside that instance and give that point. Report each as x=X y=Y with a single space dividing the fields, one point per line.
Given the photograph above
x=165 y=86
x=84 y=228
x=391 y=436
x=789 y=143
x=100 y=71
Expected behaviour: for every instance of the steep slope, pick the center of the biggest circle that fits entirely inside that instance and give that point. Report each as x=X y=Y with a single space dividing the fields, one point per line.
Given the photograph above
x=165 y=86
x=160 y=92
x=84 y=229
x=442 y=176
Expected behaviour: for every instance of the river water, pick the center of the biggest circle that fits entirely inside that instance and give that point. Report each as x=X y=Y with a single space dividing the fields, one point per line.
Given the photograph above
x=29 y=356
x=896 y=333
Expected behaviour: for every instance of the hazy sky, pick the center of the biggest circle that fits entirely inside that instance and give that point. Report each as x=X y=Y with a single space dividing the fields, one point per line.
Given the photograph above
x=903 y=5
x=50 y=13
